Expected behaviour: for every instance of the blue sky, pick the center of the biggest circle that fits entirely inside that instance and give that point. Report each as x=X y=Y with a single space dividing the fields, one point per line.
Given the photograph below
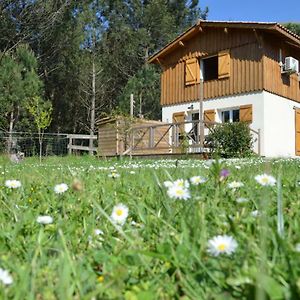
x=255 y=10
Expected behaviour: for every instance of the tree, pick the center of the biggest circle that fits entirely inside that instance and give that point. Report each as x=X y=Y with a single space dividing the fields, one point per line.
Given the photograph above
x=295 y=27
x=18 y=82
x=41 y=112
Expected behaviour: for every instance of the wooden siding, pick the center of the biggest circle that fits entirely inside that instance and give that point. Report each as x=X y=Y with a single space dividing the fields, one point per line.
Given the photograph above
x=246 y=68
x=280 y=84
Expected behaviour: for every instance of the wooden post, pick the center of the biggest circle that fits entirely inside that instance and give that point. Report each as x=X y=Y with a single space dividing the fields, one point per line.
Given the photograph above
x=70 y=145
x=201 y=113
x=151 y=137
x=131 y=105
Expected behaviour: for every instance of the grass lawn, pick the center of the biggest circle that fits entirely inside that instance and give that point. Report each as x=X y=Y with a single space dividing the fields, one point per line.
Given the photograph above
x=165 y=248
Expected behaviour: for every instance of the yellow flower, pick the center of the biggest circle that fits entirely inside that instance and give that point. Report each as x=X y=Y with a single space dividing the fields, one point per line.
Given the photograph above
x=100 y=279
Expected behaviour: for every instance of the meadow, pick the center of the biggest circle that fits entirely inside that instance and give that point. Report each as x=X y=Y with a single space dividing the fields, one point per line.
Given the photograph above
x=220 y=232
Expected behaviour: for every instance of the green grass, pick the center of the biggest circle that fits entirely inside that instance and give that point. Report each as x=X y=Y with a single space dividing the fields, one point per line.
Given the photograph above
x=164 y=255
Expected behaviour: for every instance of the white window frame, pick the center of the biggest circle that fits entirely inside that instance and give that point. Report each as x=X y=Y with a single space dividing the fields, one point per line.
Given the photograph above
x=231 y=109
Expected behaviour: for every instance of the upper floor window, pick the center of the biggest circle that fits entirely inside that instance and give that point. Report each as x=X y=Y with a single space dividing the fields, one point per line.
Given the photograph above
x=210 y=68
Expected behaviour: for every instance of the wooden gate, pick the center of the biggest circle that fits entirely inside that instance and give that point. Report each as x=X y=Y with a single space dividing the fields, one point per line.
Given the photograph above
x=297 y=131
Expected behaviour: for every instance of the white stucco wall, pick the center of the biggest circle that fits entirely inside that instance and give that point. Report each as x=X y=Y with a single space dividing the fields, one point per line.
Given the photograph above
x=272 y=114
x=256 y=99
x=279 y=126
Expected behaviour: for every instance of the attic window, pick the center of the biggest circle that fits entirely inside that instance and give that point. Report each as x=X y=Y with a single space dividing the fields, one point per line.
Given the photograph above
x=210 y=68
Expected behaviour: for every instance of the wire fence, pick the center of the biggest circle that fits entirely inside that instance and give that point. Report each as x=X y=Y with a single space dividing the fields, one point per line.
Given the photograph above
x=28 y=144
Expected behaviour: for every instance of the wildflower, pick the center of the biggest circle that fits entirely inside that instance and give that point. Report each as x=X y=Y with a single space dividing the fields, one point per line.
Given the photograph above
x=181 y=183
x=98 y=232
x=238 y=167
x=254 y=213
x=168 y=184
x=265 y=180
x=235 y=184
x=100 y=279
x=241 y=200
x=224 y=173
x=113 y=175
x=44 y=220
x=132 y=172
x=5 y=277
x=297 y=247
x=77 y=185
x=60 y=188
x=13 y=184
x=119 y=214
x=195 y=180
x=178 y=192
x=222 y=244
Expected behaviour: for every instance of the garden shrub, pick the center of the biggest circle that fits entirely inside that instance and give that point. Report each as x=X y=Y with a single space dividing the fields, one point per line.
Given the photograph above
x=231 y=140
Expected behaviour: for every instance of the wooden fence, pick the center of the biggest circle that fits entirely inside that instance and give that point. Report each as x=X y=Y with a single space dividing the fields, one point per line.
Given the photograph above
x=75 y=137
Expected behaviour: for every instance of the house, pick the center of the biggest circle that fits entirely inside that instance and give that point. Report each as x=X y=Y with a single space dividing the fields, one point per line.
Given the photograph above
x=239 y=71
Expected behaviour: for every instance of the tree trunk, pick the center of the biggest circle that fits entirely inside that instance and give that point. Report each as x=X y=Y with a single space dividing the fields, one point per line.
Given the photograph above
x=93 y=100
x=11 y=127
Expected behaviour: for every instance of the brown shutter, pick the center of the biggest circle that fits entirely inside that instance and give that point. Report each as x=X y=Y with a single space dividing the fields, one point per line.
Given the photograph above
x=246 y=113
x=192 y=71
x=224 y=64
x=209 y=115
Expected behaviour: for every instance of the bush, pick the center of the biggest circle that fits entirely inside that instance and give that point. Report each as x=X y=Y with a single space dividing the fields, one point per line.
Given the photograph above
x=231 y=140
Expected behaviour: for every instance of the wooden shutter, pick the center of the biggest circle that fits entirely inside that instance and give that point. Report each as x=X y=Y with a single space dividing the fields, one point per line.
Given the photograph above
x=246 y=113
x=209 y=115
x=224 y=64
x=192 y=71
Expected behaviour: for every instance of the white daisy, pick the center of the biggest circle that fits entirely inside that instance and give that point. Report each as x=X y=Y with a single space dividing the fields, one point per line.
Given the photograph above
x=113 y=175
x=241 y=200
x=222 y=244
x=44 y=220
x=98 y=232
x=119 y=214
x=254 y=213
x=60 y=188
x=265 y=180
x=178 y=192
x=168 y=184
x=132 y=172
x=181 y=183
x=235 y=184
x=13 y=184
x=297 y=247
x=238 y=167
x=5 y=277
x=195 y=180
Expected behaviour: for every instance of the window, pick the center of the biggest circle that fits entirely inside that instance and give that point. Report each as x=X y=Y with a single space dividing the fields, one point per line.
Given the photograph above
x=216 y=67
x=210 y=68
x=229 y=116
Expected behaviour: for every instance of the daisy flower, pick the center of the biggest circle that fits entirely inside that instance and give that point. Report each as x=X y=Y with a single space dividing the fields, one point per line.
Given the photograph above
x=44 y=220
x=168 y=184
x=181 y=183
x=98 y=232
x=5 y=277
x=254 y=213
x=113 y=175
x=119 y=214
x=178 y=192
x=195 y=180
x=222 y=244
x=297 y=247
x=241 y=200
x=60 y=188
x=265 y=180
x=13 y=184
x=235 y=184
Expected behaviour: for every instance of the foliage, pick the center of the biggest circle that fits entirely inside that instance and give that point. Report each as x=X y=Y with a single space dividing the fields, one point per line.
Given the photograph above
x=18 y=82
x=295 y=27
x=163 y=253
x=231 y=140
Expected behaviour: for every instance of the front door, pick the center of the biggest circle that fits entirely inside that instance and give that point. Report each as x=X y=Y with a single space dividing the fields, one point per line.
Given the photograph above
x=297 y=131
x=178 y=133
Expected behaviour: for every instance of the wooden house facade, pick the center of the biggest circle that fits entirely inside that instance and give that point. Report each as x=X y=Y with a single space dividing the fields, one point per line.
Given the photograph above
x=238 y=70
